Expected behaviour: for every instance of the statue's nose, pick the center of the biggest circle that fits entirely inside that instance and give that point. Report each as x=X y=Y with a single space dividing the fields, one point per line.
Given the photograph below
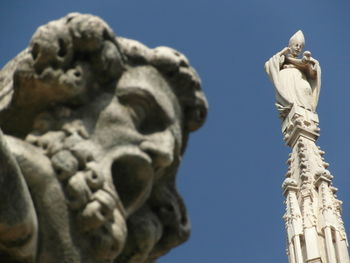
x=132 y=176
x=160 y=147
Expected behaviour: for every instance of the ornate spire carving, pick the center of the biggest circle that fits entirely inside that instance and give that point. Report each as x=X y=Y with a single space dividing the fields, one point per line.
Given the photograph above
x=315 y=229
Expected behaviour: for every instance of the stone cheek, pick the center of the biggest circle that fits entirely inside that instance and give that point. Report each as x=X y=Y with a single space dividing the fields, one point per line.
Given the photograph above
x=101 y=124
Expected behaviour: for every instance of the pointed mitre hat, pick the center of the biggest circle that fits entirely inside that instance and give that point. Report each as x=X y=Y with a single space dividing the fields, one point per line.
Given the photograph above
x=299 y=37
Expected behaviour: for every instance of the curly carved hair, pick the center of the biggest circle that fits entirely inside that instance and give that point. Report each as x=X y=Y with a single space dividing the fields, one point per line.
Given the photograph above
x=71 y=59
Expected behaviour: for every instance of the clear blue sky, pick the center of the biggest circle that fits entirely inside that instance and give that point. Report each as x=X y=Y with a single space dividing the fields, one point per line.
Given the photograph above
x=233 y=169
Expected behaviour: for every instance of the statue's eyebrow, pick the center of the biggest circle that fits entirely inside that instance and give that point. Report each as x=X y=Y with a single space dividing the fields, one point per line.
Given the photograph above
x=129 y=94
x=126 y=94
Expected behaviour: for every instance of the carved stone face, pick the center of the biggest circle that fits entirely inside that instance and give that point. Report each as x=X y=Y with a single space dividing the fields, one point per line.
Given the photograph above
x=133 y=150
x=296 y=47
x=116 y=160
x=140 y=132
x=101 y=125
x=140 y=129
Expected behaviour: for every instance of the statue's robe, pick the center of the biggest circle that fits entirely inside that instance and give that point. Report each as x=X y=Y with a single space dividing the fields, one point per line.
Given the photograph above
x=292 y=85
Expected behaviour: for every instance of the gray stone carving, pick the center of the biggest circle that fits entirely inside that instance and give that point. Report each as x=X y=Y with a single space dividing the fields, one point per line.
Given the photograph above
x=94 y=129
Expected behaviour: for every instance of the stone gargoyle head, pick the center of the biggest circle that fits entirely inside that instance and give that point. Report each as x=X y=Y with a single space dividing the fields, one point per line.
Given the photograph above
x=94 y=128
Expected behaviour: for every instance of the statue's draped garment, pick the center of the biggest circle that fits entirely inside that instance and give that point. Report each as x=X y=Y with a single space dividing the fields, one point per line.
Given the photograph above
x=292 y=85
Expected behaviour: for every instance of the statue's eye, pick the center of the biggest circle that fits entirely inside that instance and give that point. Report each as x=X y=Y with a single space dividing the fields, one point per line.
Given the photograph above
x=140 y=109
x=146 y=114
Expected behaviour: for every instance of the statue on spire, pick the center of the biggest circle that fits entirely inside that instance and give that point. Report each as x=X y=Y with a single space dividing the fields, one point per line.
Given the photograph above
x=297 y=80
x=315 y=229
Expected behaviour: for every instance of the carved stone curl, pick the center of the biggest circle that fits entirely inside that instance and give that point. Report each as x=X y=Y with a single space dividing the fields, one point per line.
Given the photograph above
x=95 y=126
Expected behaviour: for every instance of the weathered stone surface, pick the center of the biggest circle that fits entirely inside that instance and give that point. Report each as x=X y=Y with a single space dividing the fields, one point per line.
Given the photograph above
x=94 y=129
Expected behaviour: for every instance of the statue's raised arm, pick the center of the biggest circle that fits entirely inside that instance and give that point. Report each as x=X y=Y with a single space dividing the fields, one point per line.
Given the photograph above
x=297 y=80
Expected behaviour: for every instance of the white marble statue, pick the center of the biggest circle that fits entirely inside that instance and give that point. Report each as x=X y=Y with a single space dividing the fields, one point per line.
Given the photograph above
x=315 y=228
x=297 y=81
